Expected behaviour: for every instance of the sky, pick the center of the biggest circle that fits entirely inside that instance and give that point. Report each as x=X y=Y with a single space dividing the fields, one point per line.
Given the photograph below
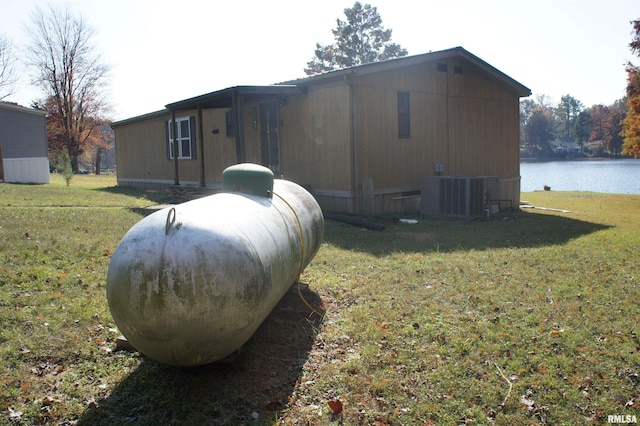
x=162 y=51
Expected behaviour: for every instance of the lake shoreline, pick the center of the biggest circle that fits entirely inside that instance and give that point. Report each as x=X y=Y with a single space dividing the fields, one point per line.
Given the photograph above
x=549 y=159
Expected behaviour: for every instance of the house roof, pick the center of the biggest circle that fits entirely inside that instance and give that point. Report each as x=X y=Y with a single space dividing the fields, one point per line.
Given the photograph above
x=15 y=107
x=160 y=113
x=374 y=67
x=224 y=98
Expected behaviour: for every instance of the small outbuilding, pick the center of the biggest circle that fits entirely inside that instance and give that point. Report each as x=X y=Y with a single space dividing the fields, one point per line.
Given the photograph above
x=23 y=144
x=371 y=139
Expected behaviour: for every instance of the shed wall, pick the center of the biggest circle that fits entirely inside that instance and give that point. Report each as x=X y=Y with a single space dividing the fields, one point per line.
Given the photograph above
x=23 y=134
x=23 y=140
x=26 y=170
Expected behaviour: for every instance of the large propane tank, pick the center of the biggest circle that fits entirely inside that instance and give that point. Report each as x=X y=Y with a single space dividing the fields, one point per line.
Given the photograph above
x=189 y=285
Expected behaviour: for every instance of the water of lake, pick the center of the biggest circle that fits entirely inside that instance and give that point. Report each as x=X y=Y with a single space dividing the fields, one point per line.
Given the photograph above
x=611 y=176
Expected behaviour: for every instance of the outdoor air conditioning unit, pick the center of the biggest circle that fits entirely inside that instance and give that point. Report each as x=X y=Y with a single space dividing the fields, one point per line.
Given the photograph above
x=462 y=197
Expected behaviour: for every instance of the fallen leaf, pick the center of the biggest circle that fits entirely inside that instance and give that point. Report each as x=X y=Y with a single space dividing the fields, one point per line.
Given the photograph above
x=336 y=406
x=14 y=415
x=528 y=402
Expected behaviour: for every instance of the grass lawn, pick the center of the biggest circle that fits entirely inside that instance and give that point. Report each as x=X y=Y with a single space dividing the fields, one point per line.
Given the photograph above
x=531 y=319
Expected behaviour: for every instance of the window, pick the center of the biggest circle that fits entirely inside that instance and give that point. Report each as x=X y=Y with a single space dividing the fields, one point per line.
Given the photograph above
x=231 y=128
x=442 y=67
x=186 y=138
x=404 y=115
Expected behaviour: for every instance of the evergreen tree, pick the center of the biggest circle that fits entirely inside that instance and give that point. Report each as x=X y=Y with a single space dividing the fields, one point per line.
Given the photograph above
x=539 y=129
x=361 y=39
x=567 y=112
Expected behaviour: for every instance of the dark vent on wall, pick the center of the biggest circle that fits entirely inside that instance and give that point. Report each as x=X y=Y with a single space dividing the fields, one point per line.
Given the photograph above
x=442 y=67
x=457 y=69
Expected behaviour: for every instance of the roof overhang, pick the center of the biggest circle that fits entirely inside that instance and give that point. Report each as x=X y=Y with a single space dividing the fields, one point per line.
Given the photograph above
x=225 y=98
x=15 y=107
x=390 y=64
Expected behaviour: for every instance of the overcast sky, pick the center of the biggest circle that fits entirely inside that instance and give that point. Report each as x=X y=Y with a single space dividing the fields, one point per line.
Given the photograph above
x=165 y=51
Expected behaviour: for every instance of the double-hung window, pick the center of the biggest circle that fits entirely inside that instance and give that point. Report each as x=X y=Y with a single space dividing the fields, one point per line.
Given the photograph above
x=185 y=141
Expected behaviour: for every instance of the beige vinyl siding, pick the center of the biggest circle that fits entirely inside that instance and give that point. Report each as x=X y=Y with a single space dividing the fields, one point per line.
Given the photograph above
x=392 y=161
x=341 y=129
x=315 y=143
x=141 y=153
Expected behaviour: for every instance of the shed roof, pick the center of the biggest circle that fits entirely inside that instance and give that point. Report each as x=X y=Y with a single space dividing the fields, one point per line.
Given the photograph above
x=15 y=107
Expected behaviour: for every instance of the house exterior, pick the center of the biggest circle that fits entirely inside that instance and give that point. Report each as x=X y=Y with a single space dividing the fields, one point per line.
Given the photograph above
x=566 y=146
x=23 y=144
x=360 y=139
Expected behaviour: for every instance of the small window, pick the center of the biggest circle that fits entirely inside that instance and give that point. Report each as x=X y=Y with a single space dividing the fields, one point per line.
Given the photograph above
x=404 y=115
x=442 y=67
x=186 y=140
x=231 y=128
x=457 y=69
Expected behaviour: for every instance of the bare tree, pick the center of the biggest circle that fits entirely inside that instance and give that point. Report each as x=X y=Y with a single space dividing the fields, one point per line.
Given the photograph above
x=67 y=67
x=8 y=76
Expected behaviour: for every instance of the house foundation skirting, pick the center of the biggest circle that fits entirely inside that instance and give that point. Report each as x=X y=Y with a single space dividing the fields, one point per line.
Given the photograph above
x=153 y=183
x=385 y=201
x=26 y=170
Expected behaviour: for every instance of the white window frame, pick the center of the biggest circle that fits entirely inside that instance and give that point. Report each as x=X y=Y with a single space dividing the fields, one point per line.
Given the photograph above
x=181 y=138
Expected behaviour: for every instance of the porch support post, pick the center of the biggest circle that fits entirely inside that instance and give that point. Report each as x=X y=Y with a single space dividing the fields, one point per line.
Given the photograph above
x=237 y=112
x=201 y=142
x=174 y=132
x=355 y=172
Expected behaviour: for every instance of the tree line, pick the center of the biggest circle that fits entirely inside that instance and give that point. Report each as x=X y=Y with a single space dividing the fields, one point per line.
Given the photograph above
x=67 y=67
x=599 y=130
x=548 y=129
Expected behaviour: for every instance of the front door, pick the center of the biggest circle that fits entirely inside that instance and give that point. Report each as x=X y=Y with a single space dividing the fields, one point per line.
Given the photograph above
x=269 y=136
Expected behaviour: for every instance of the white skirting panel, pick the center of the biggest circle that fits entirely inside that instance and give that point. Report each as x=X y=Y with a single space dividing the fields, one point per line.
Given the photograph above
x=26 y=170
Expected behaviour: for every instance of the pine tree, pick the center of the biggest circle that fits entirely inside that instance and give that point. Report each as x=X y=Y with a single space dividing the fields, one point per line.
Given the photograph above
x=361 y=39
